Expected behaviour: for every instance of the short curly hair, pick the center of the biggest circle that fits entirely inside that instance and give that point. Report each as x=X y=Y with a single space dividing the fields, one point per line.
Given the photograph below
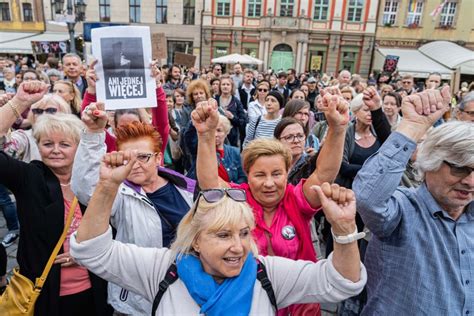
x=138 y=130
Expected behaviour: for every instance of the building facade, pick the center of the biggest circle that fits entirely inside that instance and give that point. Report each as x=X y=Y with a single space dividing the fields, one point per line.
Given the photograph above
x=307 y=35
x=178 y=20
x=21 y=15
x=410 y=23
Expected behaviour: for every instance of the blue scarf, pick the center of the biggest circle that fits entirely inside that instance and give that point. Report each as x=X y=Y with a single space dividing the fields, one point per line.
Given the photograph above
x=234 y=294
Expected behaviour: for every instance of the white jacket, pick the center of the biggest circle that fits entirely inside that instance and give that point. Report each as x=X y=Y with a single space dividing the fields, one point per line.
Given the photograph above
x=133 y=214
x=141 y=270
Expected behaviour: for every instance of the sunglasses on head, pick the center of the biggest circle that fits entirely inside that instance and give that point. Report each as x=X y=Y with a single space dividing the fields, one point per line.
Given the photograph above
x=215 y=195
x=41 y=111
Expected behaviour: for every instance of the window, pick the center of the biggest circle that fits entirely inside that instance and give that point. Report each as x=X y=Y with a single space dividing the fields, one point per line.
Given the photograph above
x=223 y=7
x=390 y=12
x=189 y=7
x=4 y=12
x=321 y=8
x=255 y=8
x=286 y=7
x=134 y=11
x=161 y=8
x=349 y=60
x=355 y=10
x=104 y=10
x=27 y=12
x=415 y=9
x=448 y=14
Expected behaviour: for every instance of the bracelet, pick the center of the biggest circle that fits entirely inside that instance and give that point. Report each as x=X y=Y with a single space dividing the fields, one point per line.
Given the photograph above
x=14 y=109
x=348 y=238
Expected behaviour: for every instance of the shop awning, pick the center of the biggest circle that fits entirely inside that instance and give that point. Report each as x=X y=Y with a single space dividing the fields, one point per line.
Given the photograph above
x=450 y=55
x=20 y=43
x=411 y=62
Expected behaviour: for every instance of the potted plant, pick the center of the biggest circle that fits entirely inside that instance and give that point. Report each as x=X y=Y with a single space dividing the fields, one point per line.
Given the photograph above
x=388 y=24
x=413 y=25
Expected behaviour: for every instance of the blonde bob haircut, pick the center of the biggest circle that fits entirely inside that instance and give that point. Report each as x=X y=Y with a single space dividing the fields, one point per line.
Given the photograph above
x=49 y=99
x=66 y=124
x=265 y=147
x=212 y=217
x=225 y=123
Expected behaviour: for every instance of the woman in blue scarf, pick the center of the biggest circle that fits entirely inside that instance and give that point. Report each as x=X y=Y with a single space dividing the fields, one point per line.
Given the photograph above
x=215 y=255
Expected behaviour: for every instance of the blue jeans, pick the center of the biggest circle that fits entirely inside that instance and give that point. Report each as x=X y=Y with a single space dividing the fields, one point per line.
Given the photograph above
x=9 y=210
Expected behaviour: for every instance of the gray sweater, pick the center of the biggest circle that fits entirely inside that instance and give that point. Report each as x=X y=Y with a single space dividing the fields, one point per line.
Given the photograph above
x=141 y=269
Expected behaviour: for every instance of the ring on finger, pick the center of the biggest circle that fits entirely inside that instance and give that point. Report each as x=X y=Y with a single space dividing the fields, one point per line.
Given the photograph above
x=67 y=260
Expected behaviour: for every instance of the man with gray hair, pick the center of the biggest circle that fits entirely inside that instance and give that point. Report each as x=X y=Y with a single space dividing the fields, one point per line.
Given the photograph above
x=466 y=108
x=420 y=258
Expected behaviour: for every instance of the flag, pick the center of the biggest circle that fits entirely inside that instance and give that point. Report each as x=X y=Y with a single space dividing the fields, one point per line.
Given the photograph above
x=412 y=6
x=438 y=9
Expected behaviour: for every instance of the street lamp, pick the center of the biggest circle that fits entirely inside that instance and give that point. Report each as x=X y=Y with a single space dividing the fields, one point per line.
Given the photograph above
x=71 y=20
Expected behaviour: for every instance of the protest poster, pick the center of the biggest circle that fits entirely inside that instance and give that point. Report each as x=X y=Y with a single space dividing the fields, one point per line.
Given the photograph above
x=159 y=47
x=390 y=63
x=183 y=59
x=123 y=54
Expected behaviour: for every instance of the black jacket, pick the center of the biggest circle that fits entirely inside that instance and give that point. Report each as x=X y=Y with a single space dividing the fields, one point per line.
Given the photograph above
x=244 y=96
x=40 y=209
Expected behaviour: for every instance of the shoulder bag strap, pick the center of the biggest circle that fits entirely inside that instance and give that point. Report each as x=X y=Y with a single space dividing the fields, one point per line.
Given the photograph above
x=255 y=128
x=40 y=281
x=170 y=277
x=266 y=284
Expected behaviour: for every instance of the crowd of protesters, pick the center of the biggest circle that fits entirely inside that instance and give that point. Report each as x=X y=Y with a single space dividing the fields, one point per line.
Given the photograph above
x=231 y=165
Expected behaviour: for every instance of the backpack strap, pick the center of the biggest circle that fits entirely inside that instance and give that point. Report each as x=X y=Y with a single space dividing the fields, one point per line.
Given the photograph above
x=170 y=277
x=266 y=284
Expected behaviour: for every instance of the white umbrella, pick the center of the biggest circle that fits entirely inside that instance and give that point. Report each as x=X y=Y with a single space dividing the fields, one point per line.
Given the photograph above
x=235 y=58
x=256 y=60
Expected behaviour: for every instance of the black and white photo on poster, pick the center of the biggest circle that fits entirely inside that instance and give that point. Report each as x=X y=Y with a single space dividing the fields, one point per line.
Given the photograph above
x=124 y=74
x=123 y=56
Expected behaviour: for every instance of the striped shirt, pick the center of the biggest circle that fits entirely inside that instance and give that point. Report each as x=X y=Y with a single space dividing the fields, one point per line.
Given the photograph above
x=264 y=129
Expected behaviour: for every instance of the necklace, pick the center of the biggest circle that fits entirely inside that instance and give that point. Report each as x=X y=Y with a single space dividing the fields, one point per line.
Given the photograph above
x=65 y=185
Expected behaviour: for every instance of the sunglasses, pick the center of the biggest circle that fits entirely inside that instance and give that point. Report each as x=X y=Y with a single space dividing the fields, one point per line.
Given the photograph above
x=41 y=111
x=215 y=195
x=457 y=171
x=262 y=90
x=145 y=157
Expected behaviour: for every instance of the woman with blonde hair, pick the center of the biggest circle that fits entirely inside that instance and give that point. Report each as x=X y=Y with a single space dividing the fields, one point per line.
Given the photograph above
x=70 y=93
x=21 y=144
x=213 y=267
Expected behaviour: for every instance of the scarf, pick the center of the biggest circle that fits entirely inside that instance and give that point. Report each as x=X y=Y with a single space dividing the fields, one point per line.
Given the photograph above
x=234 y=294
x=305 y=248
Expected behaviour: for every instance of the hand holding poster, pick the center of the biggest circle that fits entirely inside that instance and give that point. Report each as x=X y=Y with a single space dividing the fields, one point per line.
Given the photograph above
x=124 y=55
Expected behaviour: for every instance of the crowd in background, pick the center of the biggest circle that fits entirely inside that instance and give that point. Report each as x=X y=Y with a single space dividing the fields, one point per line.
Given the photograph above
x=49 y=156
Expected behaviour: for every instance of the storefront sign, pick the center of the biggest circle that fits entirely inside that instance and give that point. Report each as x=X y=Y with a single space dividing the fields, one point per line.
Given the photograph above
x=396 y=43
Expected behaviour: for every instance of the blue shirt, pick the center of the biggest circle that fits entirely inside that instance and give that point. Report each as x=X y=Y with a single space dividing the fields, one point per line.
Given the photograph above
x=171 y=207
x=420 y=261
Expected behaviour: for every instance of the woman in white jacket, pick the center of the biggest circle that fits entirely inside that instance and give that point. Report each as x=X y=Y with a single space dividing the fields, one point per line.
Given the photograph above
x=151 y=200
x=215 y=254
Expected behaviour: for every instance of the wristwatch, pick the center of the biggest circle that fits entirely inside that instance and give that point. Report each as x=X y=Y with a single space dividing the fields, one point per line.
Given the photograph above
x=343 y=240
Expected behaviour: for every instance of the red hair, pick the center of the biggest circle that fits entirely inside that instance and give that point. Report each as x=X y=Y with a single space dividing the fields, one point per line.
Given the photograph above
x=138 y=130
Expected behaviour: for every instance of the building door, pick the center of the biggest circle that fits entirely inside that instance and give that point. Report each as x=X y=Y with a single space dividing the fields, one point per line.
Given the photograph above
x=282 y=58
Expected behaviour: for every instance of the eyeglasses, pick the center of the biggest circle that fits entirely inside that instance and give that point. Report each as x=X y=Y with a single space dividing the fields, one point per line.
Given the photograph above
x=303 y=113
x=145 y=157
x=262 y=90
x=41 y=111
x=458 y=171
x=215 y=195
x=291 y=138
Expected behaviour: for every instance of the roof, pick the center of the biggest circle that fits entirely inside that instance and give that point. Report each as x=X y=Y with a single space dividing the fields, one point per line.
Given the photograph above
x=16 y=42
x=415 y=63
x=450 y=55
